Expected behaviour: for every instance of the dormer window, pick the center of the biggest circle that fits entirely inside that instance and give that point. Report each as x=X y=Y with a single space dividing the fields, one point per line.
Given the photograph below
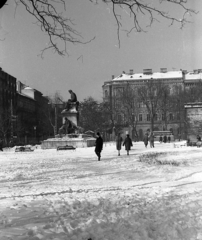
x=106 y=93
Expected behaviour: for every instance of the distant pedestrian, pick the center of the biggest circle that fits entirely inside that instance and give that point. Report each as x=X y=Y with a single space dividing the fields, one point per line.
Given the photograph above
x=168 y=138
x=198 y=138
x=160 y=139
x=119 y=141
x=145 y=139
x=198 y=143
x=1 y=145
x=151 y=139
x=127 y=143
x=98 y=146
x=165 y=139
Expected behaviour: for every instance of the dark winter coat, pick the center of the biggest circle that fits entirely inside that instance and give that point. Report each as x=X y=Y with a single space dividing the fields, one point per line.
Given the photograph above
x=1 y=143
x=127 y=143
x=145 y=139
x=165 y=139
x=151 y=137
x=198 y=138
x=98 y=144
x=119 y=141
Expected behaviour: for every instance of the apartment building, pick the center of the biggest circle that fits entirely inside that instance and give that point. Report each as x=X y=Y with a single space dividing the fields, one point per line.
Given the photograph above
x=7 y=91
x=176 y=81
x=31 y=107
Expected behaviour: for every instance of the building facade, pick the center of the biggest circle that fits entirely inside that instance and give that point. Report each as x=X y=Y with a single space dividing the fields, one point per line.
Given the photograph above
x=33 y=122
x=176 y=81
x=194 y=117
x=8 y=103
x=7 y=91
x=22 y=112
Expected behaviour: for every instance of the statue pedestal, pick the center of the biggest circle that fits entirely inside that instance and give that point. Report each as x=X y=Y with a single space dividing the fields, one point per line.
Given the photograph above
x=71 y=114
x=75 y=139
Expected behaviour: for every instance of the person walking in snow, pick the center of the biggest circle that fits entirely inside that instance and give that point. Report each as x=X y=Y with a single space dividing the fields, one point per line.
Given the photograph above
x=151 y=139
x=98 y=146
x=169 y=138
x=145 y=139
x=165 y=139
x=160 y=138
x=119 y=141
x=1 y=145
x=127 y=143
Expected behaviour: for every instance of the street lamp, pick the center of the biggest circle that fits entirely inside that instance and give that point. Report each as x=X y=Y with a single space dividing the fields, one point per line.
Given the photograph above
x=35 y=132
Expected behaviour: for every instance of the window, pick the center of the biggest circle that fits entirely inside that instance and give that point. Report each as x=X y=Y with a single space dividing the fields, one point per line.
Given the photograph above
x=119 y=118
x=106 y=93
x=148 y=117
x=171 y=117
x=140 y=117
x=155 y=117
x=178 y=116
x=163 y=117
x=118 y=104
x=119 y=91
x=140 y=104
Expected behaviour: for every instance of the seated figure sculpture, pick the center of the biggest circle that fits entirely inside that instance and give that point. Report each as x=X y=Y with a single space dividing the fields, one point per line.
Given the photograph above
x=72 y=101
x=68 y=127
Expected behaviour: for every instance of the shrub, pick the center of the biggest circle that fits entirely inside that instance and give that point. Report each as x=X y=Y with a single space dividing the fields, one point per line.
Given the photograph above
x=160 y=158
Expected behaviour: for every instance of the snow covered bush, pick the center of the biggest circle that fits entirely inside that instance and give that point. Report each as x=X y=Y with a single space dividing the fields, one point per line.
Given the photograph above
x=161 y=158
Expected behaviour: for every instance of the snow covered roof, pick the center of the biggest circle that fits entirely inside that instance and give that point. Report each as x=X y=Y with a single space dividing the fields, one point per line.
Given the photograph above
x=193 y=76
x=29 y=88
x=155 y=75
x=25 y=95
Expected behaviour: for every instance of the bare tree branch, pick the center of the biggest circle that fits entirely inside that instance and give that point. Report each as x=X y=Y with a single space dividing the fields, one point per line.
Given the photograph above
x=58 y=28
x=139 y=9
x=61 y=30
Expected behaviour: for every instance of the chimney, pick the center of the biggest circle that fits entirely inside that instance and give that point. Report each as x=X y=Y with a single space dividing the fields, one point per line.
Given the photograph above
x=163 y=70
x=147 y=71
x=112 y=77
x=131 y=71
x=19 y=86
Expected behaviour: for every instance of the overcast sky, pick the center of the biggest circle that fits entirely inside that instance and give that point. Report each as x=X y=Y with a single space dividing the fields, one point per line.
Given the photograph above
x=89 y=65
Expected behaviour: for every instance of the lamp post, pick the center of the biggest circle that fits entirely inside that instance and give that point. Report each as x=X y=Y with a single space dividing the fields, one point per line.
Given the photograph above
x=35 y=133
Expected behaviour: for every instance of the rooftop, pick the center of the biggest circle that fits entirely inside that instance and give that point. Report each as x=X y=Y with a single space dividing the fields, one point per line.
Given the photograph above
x=149 y=75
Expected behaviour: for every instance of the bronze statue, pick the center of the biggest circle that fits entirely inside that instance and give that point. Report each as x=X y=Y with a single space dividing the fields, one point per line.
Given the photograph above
x=72 y=101
x=68 y=127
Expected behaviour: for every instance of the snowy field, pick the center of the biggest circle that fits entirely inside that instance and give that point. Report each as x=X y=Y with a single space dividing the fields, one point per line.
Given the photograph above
x=69 y=195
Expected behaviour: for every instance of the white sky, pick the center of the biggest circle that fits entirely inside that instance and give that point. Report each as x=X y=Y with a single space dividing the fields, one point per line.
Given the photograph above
x=162 y=46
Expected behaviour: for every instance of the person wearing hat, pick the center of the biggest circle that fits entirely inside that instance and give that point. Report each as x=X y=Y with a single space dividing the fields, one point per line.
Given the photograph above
x=119 y=141
x=127 y=143
x=98 y=146
x=1 y=144
x=151 y=139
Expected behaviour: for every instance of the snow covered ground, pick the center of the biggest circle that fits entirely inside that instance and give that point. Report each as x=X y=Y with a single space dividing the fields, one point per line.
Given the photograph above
x=49 y=194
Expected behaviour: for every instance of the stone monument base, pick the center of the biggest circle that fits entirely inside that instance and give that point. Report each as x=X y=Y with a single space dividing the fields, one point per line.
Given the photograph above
x=75 y=140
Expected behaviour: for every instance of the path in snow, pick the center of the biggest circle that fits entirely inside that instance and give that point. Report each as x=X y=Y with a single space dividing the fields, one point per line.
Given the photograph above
x=31 y=182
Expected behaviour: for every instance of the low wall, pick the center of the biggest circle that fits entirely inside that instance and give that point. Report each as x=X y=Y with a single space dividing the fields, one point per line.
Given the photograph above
x=194 y=120
x=76 y=142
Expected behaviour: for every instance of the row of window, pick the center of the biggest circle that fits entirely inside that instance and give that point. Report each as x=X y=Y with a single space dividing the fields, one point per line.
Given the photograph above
x=147 y=117
x=158 y=117
x=171 y=90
